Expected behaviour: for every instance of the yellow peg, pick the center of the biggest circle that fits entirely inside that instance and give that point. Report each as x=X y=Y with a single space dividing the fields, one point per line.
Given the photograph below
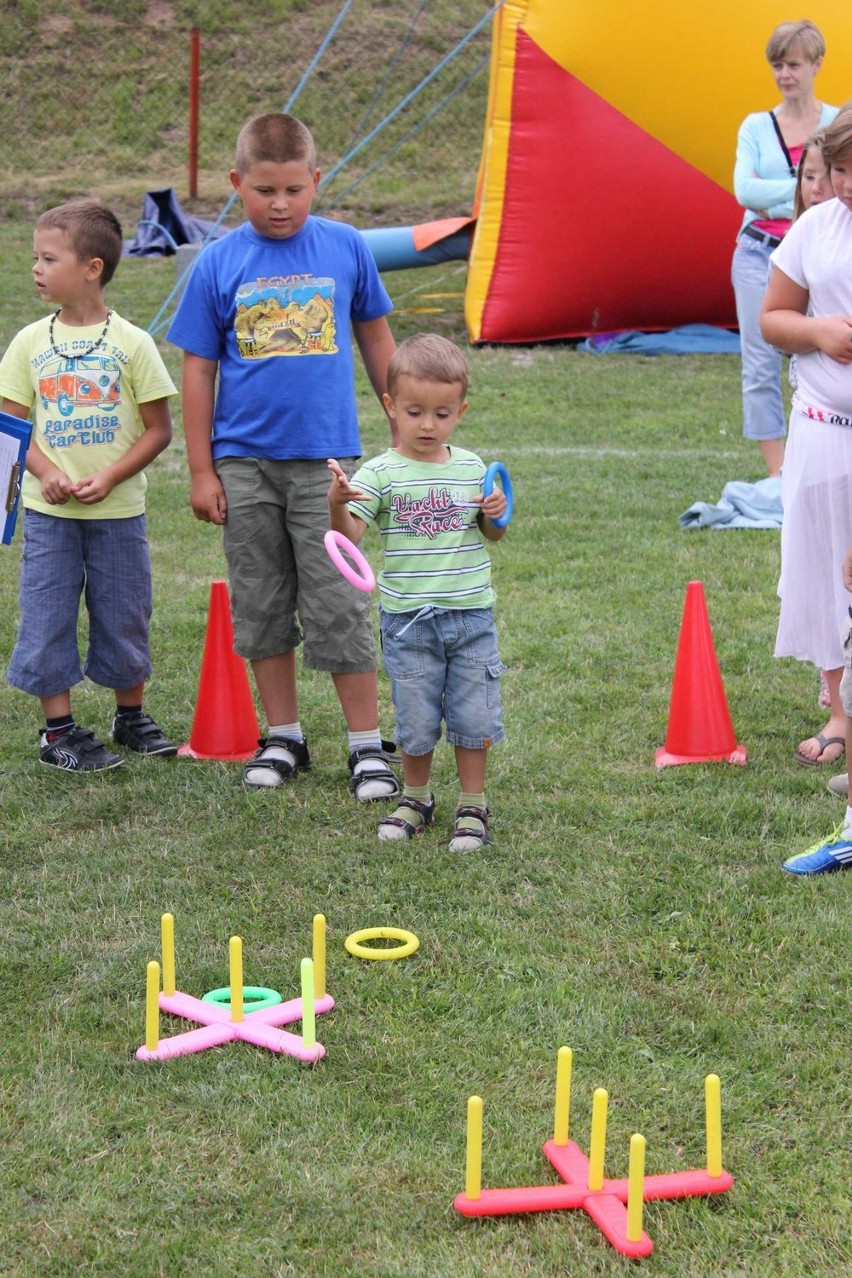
x=597 y=1142
x=319 y=955
x=473 y=1164
x=152 y=1006
x=713 y=1107
x=564 y=1059
x=309 y=1020
x=635 y=1187
x=235 y=949
x=167 y=932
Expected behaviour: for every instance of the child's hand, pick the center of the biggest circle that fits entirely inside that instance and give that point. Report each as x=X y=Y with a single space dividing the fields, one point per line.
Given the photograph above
x=494 y=505
x=207 y=499
x=55 y=487
x=93 y=488
x=834 y=338
x=340 y=490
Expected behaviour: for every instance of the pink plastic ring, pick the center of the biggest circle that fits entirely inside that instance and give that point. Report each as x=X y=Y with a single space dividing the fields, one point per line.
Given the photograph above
x=363 y=579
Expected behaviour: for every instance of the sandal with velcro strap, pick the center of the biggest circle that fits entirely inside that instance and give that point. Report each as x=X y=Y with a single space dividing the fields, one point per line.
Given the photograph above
x=271 y=765
x=425 y=809
x=476 y=838
x=381 y=757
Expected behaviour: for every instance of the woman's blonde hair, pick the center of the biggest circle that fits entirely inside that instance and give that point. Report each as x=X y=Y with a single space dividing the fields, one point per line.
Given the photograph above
x=790 y=36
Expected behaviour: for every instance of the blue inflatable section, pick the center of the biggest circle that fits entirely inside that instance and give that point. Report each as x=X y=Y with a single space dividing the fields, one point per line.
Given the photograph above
x=394 y=249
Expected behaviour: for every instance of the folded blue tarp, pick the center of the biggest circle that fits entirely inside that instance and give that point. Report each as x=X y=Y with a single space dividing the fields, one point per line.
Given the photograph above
x=742 y=505
x=689 y=339
x=165 y=226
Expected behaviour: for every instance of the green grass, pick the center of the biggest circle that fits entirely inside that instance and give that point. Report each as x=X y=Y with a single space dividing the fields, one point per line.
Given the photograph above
x=640 y=917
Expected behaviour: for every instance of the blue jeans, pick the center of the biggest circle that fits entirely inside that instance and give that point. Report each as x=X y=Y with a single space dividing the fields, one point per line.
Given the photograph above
x=62 y=558
x=444 y=665
x=763 y=407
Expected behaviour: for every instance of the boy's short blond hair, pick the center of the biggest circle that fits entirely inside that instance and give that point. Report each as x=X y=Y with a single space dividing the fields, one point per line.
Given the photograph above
x=837 y=137
x=92 y=228
x=274 y=139
x=431 y=358
x=794 y=36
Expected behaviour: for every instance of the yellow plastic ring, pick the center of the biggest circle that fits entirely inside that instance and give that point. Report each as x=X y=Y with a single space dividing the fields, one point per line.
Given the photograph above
x=354 y=946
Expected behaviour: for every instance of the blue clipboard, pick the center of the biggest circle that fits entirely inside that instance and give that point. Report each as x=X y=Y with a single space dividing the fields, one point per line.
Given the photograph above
x=14 y=441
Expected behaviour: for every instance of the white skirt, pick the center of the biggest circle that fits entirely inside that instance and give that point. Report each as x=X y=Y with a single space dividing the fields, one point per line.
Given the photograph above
x=816 y=491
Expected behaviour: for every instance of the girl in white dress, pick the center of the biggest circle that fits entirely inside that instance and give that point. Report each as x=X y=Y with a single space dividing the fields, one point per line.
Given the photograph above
x=807 y=311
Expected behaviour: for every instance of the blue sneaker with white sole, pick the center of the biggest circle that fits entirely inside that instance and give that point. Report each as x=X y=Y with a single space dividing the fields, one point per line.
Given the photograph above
x=834 y=853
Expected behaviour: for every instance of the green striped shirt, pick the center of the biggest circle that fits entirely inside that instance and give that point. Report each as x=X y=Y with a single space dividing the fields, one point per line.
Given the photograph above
x=434 y=552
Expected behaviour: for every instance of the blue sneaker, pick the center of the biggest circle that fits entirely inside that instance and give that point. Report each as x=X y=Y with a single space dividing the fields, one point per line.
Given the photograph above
x=833 y=853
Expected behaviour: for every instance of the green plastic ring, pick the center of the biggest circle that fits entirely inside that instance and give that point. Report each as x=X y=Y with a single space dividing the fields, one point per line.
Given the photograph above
x=255 y=997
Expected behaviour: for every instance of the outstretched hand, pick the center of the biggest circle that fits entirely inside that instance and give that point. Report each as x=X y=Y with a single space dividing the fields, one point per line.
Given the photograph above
x=340 y=490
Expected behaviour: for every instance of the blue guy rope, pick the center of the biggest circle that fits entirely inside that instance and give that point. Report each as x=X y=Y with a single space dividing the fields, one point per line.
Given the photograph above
x=409 y=97
x=406 y=137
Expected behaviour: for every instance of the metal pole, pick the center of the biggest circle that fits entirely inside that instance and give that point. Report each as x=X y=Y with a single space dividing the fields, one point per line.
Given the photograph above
x=194 y=65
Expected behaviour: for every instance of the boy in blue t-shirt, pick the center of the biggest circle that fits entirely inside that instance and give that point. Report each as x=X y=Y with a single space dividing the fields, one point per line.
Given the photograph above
x=268 y=308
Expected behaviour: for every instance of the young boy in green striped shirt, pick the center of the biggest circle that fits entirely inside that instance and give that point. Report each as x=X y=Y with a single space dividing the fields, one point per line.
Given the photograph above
x=436 y=602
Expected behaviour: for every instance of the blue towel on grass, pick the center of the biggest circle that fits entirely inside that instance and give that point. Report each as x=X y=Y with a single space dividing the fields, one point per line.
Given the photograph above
x=689 y=339
x=742 y=505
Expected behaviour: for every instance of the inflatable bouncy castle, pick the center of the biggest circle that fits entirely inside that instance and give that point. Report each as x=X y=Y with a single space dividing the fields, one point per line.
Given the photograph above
x=604 y=195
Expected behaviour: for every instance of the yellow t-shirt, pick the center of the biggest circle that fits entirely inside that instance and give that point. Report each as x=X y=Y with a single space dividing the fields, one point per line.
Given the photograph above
x=86 y=404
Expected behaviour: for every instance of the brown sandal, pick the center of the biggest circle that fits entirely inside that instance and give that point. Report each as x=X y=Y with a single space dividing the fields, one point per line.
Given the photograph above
x=425 y=808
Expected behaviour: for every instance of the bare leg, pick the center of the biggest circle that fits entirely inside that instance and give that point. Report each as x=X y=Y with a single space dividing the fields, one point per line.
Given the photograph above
x=130 y=696
x=56 y=706
x=471 y=766
x=773 y=456
x=358 y=700
x=416 y=768
x=276 y=685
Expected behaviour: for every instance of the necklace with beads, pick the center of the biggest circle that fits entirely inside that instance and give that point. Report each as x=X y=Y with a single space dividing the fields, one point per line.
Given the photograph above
x=77 y=354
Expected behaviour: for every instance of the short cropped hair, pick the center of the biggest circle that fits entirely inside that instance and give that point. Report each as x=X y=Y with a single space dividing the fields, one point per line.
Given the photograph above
x=801 y=36
x=431 y=358
x=274 y=139
x=837 y=137
x=92 y=228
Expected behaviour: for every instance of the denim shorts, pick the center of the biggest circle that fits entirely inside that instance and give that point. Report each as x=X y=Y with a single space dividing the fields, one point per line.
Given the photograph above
x=106 y=560
x=281 y=579
x=444 y=665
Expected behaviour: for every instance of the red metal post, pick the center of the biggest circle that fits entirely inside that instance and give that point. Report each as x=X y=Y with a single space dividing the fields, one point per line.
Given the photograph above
x=194 y=65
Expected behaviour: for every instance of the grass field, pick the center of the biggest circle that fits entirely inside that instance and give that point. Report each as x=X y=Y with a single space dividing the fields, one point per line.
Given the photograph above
x=640 y=917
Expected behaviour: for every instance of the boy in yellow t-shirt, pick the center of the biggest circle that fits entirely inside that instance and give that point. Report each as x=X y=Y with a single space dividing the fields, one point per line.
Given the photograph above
x=99 y=393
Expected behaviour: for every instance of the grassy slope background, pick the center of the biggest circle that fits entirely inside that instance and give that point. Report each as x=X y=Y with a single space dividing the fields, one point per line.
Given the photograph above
x=639 y=917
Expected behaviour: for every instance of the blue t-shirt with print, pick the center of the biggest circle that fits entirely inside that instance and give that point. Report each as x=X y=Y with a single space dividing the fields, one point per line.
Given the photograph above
x=275 y=315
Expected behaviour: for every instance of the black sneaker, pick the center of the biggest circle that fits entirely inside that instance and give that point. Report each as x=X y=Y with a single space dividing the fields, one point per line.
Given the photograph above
x=138 y=731
x=77 y=750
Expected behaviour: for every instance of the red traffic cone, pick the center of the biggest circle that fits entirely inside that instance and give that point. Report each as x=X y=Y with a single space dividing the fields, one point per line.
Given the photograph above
x=700 y=728
x=225 y=723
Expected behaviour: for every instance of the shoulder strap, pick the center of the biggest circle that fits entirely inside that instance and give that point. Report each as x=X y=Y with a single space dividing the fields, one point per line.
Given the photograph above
x=787 y=156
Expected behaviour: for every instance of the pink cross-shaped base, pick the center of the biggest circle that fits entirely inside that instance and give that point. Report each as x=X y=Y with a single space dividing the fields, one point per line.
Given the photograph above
x=259 y=1028
x=607 y=1206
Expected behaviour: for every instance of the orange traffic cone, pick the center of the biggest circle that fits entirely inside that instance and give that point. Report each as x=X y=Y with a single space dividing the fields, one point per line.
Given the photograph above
x=225 y=723
x=700 y=728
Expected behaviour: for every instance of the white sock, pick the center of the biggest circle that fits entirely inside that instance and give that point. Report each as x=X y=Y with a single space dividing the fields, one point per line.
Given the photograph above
x=846 y=832
x=381 y=787
x=291 y=730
